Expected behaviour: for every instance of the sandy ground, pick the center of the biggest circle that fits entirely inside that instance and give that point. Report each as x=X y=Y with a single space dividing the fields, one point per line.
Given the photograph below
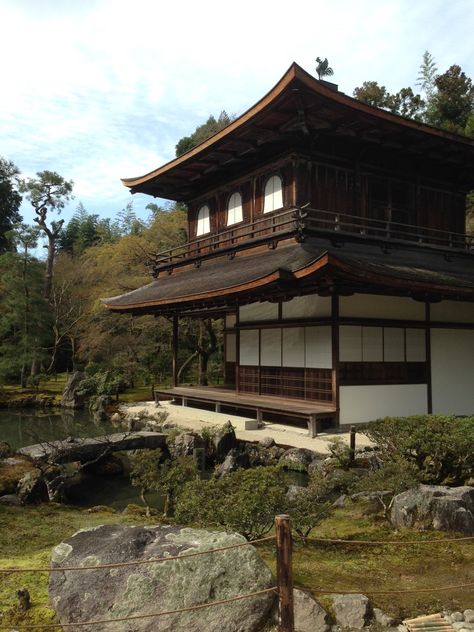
x=196 y=419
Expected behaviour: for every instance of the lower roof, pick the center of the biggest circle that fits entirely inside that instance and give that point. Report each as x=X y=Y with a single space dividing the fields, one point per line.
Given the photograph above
x=292 y=267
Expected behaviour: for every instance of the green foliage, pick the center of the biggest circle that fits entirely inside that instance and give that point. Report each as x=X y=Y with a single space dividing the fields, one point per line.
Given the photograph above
x=10 y=201
x=24 y=314
x=340 y=452
x=245 y=501
x=438 y=447
x=169 y=477
x=203 y=132
x=395 y=476
x=103 y=383
x=404 y=102
x=48 y=190
x=310 y=505
x=452 y=105
x=427 y=75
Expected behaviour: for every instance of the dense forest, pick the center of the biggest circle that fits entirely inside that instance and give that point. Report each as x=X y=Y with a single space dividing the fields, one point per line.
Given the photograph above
x=51 y=318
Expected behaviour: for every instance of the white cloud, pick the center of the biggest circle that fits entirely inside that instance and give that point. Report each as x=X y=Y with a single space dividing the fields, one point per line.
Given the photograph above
x=103 y=89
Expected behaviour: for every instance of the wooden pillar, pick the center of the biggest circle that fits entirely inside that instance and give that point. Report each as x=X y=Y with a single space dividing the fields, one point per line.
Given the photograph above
x=284 y=573
x=352 y=444
x=429 y=389
x=335 y=354
x=175 y=350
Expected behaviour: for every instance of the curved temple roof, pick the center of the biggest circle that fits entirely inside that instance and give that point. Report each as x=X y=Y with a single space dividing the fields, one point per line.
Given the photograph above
x=298 y=102
x=295 y=267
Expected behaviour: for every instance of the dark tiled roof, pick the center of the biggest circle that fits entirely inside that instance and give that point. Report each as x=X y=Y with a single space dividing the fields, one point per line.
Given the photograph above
x=406 y=269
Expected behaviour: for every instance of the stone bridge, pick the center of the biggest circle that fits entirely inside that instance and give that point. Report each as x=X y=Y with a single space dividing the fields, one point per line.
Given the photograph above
x=90 y=448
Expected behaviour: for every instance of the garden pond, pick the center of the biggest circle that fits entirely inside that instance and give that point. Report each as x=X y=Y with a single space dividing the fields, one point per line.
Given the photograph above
x=20 y=428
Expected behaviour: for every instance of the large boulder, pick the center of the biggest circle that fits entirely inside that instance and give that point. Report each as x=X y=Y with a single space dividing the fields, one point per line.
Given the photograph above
x=233 y=461
x=298 y=459
x=351 y=611
x=185 y=443
x=70 y=397
x=435 y=507
x=224 y=440
x=310 y=616
x=162 y=586
x=32 y=488
x=99 y=407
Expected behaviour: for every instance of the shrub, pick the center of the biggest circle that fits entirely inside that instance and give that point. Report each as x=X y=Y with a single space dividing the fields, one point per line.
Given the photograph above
x=103 y=383
x=245 y=501
x=150 y=473
x=340 y=452
x=393 y=476
x=440 y=447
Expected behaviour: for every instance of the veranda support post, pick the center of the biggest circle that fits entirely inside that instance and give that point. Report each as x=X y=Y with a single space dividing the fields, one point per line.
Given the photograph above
x=175 y=350
x=284 y=573
x=352 y=444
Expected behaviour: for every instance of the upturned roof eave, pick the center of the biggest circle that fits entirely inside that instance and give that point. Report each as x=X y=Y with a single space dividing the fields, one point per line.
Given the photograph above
x=293 y=74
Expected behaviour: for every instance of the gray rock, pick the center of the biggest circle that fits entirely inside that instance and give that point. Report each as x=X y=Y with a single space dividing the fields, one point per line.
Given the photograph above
x=116 y=418
x=99 y=407
x=298 y=458
x=402 y=628
x=32 y=488
x=171 y=585
x=382 y=618
x=435 y=507
x=233 y=461
x=271 y=456
x=70 y=397
x=340 y=502
x=10 y=499
x=458 y=625
x=266 y=442
x=309 y=615
x=351 y=611
x=457 y=616
x=469 y=615
x=224 y=440
x=185 y=443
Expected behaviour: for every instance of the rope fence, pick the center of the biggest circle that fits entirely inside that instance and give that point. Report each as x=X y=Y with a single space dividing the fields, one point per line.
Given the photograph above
x=283 y=588
x=154 y=560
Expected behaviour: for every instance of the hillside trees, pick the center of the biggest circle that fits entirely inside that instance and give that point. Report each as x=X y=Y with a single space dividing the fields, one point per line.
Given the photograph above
x=24 y=313
x=10 y=200
x=203 y=132
x=48 y=192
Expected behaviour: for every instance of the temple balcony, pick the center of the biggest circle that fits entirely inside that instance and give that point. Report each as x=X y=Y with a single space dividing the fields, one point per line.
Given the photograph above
x=340 y=228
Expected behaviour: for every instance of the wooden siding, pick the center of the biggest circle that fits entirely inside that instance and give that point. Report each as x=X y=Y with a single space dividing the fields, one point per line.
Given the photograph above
x=287 y=382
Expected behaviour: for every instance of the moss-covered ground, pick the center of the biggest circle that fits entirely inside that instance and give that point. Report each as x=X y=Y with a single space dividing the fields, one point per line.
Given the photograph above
x=27 y=535
x=370 y=569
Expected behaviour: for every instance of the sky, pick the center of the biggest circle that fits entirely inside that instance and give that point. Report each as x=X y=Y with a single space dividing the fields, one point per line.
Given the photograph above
x=98 y=90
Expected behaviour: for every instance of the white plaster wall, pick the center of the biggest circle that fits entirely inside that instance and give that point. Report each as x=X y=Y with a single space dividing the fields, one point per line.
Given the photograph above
x=318 y=341
x=312 y=306
x=373 y=306
x=249 y=347
x=452 y=311
x=270 y=347
x=254 y=312
x=293 y=346
x=452 y=371
x=360 y=404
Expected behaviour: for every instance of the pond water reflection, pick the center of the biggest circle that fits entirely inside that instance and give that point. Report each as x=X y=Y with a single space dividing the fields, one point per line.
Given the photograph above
x=25 y=427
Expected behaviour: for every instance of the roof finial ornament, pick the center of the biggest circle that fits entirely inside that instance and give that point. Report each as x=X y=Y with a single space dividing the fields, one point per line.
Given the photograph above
x=323 y=68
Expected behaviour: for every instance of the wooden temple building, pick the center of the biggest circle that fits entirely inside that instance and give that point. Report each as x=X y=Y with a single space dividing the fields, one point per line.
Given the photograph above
x=330 y=237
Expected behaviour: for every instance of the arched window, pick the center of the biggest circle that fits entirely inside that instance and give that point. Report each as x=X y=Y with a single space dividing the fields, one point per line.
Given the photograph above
x=203 y=221
x=234 y=209
x=273 y=194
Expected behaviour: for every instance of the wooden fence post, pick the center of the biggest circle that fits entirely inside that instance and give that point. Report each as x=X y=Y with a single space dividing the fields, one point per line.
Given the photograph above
x=352 y=444
x=284 y=574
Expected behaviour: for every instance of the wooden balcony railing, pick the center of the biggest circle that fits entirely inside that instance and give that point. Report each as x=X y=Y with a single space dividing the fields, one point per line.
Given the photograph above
x=306 y=220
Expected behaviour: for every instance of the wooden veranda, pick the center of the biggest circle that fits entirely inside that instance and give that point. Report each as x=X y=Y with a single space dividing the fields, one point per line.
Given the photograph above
x=317 y=415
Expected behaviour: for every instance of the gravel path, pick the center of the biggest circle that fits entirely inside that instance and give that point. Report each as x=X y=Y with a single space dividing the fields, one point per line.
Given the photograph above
x=196 y=419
